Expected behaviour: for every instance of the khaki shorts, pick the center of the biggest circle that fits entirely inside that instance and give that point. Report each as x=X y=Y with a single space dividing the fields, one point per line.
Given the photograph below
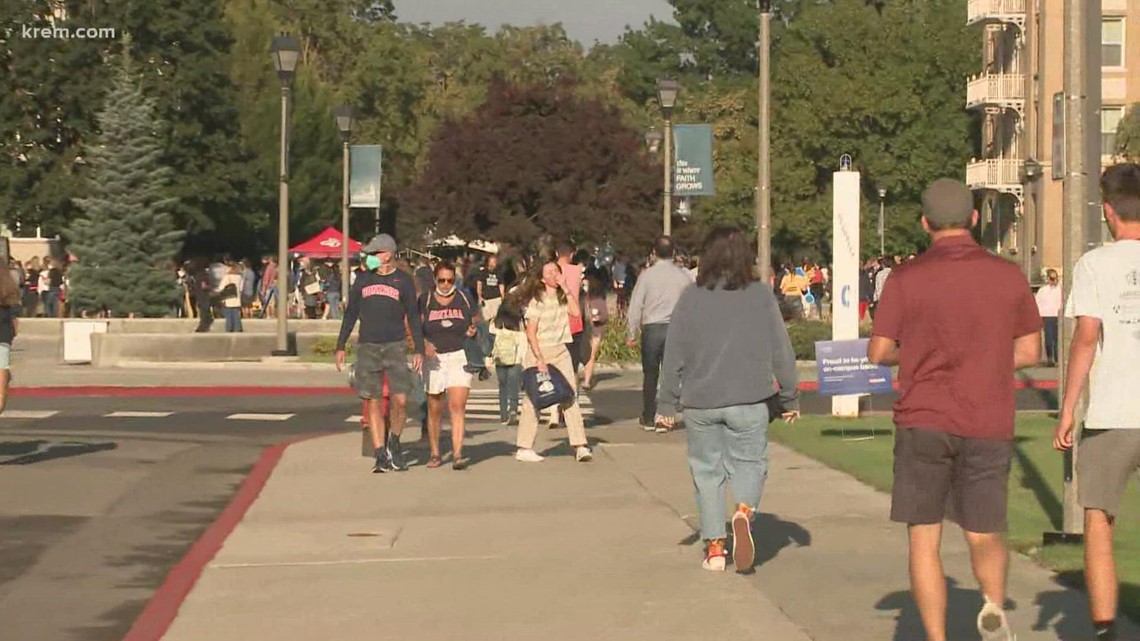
x=1106 y=461
x=942 y=476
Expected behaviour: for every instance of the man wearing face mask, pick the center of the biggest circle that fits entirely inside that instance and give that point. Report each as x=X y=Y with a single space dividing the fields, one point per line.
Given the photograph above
x=383 y=298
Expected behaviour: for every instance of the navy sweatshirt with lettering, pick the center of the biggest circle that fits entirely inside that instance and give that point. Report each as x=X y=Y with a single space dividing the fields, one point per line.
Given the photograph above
x=382 y=303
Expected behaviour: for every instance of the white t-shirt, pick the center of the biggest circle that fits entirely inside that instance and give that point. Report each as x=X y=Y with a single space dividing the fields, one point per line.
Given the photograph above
x=1049 y=301
x=1106 y=285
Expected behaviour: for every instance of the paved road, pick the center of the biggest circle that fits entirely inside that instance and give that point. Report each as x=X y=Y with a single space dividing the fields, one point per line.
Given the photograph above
x=102 y=495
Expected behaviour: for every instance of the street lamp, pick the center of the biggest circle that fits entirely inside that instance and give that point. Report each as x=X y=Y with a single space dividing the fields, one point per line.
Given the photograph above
x=667 y=90
x=345 y=120
x=763 y=168
x=653 y=140
x=882 y=221
x=286 y=50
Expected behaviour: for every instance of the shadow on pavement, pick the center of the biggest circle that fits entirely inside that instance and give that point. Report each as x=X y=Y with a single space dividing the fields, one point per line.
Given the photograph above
x=39 y=451
x=770 y=533
x=961 y=613
x=1066 y=610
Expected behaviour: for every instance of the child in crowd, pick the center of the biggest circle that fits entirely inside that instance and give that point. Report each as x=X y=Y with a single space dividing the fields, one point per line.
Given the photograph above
x=507 y=353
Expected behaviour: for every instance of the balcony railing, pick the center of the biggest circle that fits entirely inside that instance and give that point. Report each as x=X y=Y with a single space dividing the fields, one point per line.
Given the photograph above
x=1006 y=90
x=997 y=174
x=996 y=11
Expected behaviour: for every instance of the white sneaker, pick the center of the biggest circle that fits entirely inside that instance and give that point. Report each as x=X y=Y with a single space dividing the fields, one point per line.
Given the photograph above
x=583 y=454
x=992 y=624
x=528 y=456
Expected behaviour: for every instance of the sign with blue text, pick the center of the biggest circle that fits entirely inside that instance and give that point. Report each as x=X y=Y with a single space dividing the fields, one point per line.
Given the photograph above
x=693 y=167
x=364 y=177
x=844 y=369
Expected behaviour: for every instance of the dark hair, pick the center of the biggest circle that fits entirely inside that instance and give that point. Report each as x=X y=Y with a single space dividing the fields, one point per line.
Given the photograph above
x=564 y=249
x=727 y=260
x=9 y=290
x=443 y=266
x=1120 y=188
x=664 y=248
x=510 y=314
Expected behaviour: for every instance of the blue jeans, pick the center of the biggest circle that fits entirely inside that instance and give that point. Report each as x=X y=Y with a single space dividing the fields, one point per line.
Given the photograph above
x=51 y=303
x=333 y=300
x=233 y=318
x=727 y=444
x=510 y=382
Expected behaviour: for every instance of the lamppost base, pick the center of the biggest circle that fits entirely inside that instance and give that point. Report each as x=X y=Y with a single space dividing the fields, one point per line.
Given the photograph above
x=1061 y=538
x=284 y=352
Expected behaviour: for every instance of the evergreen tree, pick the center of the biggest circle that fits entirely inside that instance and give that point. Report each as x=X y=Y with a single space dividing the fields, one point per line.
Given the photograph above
x=125 y=239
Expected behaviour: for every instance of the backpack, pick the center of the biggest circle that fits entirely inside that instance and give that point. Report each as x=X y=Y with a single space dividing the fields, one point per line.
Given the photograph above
x=506 y=349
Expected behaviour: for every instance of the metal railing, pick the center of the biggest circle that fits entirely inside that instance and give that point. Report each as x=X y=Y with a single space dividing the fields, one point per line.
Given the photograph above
x=1005 y=10
x=1004 y=89
x=994 y=173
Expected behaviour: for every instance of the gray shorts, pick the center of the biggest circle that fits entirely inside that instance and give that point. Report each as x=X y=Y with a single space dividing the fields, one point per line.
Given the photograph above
x=1106 y=461
x=374 y=361
x=942 y=476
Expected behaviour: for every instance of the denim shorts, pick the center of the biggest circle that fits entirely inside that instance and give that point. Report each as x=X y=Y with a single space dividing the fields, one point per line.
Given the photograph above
x=5 y=356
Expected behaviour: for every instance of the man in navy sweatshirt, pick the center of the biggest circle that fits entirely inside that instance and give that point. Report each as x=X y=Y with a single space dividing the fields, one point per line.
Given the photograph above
x=383 y=298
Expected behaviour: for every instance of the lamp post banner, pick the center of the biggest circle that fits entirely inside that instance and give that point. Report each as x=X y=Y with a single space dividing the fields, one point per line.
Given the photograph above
x=693 y=168
x=364 y=180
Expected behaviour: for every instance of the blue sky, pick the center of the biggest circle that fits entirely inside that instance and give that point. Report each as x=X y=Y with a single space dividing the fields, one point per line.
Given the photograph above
x=585 y=20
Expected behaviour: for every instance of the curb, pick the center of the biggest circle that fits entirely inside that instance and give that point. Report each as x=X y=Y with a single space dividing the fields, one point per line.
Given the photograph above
x=159 y=614
x=125 y=391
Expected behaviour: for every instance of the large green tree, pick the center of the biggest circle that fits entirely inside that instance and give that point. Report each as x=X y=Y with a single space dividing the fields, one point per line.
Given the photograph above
x=125 y=238
x=535 y=160
x=1128 y=135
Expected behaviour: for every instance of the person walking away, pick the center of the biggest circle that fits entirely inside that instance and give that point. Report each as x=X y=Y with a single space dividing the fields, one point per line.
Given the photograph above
x=651 y=306
x=229 y=290
x=203 y=293
x=1049 y=306
x=573 y=273
x=881 y=276
x=32 y=288
x=549 y=305
x=727 y=355
x=53 y=278
x=267 y=289
x=331 y=288
x=957 y=347
x=1103 y=301
x=793 y=287
x=308 y=287
x=448 y=319
x=248 y=287
x=599 y=312
x=508 y=354
x=9 y=323
x=383 y=299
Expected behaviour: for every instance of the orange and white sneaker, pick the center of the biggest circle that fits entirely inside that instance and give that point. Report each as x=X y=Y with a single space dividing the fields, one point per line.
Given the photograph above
x=715 y=559
x=743 y=547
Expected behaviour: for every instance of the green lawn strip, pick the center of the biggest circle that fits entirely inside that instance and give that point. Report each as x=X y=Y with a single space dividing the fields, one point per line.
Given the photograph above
x=1035 y=488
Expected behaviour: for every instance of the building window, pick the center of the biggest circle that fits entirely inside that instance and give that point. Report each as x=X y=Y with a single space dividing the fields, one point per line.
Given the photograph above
x=1112 y=42
x=1110 y=118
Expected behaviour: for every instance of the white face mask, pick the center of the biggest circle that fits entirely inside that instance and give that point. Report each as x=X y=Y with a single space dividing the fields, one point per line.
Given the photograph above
x=445 y=293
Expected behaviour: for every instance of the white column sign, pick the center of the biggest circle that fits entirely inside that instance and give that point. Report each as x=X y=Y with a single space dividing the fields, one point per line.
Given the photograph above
x=845 y=270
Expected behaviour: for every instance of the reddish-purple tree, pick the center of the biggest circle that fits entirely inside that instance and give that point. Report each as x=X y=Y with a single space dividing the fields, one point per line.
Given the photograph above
x=534 y=160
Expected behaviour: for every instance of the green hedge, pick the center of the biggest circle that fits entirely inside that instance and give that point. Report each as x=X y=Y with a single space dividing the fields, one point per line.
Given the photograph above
x=326 y=346
x=613 y=349
x=804 y=335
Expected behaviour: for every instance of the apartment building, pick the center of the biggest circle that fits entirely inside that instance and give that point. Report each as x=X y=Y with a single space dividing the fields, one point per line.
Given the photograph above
x=1015 y=95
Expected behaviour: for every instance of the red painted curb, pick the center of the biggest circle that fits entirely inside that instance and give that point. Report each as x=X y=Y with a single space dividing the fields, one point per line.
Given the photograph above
x=159 y=613
x=65 y=391
x=811 y=386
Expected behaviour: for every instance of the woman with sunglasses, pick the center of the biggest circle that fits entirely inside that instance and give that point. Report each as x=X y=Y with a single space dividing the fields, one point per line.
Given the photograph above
x=448 y=320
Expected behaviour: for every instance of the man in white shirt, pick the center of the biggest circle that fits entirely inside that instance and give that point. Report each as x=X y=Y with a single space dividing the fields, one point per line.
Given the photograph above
x=1105 y=301
x=1049 y=306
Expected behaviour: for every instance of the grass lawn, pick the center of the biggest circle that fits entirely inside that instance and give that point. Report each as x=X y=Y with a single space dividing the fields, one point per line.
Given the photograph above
x=1035 y=489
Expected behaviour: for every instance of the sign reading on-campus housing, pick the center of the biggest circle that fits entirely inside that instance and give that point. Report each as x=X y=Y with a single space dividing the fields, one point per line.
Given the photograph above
x=364 y=176
x=843 y=369
x=693 y=166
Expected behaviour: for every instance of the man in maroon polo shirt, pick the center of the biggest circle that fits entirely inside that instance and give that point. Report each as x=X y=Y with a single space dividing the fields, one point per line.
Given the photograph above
x=958 y=322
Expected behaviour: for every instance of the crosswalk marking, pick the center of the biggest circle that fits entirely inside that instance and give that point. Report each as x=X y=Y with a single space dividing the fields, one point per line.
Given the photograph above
x=260 y=417
x=29 y=414
x=130 y=414
x=353 y=419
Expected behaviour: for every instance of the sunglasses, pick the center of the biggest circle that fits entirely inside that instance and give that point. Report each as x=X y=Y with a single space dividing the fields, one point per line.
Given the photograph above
x=445 y=281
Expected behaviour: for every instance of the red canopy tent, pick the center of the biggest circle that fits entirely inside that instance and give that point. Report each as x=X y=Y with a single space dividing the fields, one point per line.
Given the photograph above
x=326 y=244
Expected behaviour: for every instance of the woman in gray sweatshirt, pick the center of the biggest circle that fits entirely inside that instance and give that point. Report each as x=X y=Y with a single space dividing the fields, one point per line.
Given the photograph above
x=729 y=364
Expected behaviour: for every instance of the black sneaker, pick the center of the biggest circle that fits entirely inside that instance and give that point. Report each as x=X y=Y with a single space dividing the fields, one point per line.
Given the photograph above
x=383 y=463
x=484 y=374
x=396 y=454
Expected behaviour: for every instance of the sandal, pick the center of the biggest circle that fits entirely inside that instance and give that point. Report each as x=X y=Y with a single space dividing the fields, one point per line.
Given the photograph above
x=434 y=462
x=460 y=464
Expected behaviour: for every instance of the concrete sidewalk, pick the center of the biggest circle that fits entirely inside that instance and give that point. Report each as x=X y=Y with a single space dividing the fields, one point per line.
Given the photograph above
x=560 y=550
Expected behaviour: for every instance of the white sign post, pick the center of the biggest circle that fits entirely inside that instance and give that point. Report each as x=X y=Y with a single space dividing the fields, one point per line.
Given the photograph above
x=845 y=269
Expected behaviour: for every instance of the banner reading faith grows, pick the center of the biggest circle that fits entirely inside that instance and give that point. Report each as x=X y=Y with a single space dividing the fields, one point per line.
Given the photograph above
x=693 y=171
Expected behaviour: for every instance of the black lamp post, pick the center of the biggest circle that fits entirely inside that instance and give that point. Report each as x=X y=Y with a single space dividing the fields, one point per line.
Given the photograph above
x=286 y=51
x=345 y=121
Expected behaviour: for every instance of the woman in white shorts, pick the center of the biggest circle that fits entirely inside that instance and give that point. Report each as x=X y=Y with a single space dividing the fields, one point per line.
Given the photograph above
x=9 y=313
x=448 y=320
